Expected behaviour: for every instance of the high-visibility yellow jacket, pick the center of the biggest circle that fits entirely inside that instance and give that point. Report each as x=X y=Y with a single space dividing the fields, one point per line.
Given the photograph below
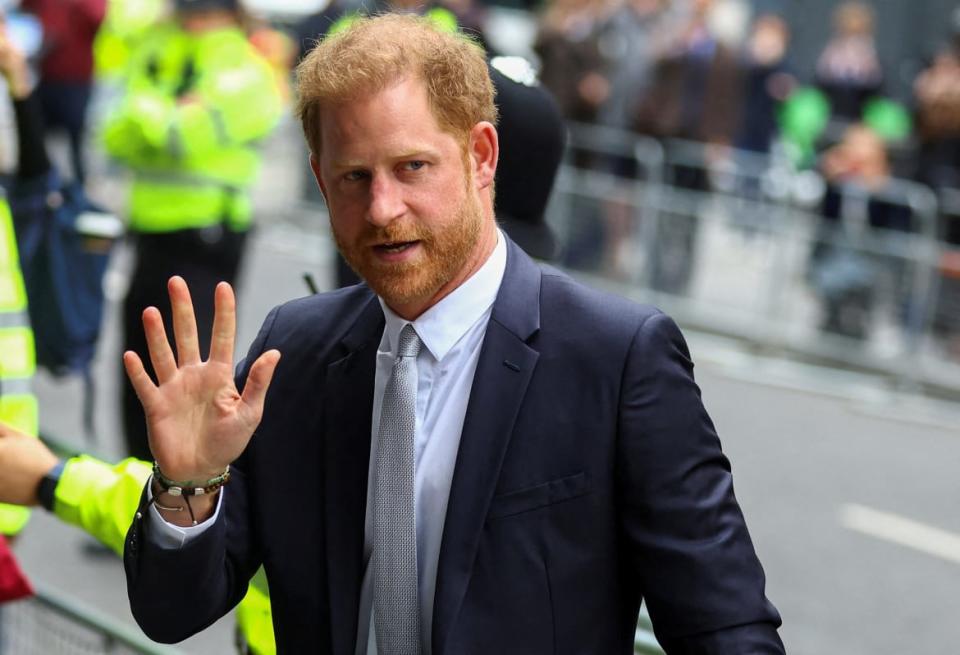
x=18 y=405
x=126 y=23
x=194 y=108
x=101 y=500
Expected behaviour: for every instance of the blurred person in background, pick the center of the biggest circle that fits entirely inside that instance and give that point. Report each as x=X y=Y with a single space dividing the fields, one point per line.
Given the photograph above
x=572 y=66
x=767 y=81
x=848 y=70
x=66 y=67
x=694 y=96
x=629 y=42
x=593 y=57
x=197 y=100
x=844 y=271
x=937 y=103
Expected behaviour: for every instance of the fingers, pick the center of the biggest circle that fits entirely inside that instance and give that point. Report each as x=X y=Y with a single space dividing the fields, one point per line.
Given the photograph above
x=258 y=381
x=142 y=384
x=184 y=322
x=158 y=345
x=224 y=325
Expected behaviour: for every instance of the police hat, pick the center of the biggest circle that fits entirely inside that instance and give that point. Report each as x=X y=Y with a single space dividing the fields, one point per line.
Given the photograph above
x=532 y=138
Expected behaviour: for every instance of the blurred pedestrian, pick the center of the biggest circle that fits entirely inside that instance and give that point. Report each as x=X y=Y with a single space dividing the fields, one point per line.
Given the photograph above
x=630 y=43
x=846 y=269
x=197 y=101
x=848 y=70
x=693 y=96
x=767 y=80
x=572 y=66
x=66 y=67
x=937 y=98
x=693 y=93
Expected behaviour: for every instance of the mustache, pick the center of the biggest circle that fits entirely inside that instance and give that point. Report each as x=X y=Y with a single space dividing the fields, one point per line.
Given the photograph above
x=393 y=233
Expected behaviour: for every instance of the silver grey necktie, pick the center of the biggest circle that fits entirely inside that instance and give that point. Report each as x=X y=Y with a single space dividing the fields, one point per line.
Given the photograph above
x=395 y=597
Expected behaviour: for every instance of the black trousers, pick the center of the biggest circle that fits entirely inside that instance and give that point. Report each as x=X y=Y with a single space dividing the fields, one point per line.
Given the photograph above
x=202 y=258
x=65 y=106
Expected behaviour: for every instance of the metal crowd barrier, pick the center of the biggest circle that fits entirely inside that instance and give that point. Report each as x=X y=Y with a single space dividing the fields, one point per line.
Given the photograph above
x=51 y=623
x=735 y=242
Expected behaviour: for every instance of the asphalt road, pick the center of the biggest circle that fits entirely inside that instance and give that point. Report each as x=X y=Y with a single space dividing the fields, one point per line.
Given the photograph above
x=849 y=489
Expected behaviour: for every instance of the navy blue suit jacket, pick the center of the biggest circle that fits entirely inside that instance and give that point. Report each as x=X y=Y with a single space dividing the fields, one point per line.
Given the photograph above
x=589 y=476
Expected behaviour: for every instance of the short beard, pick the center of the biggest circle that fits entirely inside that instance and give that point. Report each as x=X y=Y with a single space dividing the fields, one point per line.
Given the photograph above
x=446 y=252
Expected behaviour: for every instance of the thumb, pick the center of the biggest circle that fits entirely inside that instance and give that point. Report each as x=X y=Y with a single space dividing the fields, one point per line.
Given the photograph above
x=258 y=381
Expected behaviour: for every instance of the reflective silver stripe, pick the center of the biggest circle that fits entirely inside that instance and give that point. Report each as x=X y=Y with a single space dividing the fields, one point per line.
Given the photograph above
x=219 y=127
x=183 y=179
x=14 y=320
x=175 y=138
x=175 y=142
x=15 y=387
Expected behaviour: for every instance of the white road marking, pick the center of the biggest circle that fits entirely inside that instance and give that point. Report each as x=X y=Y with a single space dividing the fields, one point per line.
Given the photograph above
x=903 y=531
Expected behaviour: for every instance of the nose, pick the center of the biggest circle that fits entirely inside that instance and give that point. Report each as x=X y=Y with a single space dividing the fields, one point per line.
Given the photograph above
x=386 y=201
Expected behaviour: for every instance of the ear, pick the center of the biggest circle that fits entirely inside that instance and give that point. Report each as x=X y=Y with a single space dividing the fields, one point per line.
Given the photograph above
x=315 y=167
x=484 y=151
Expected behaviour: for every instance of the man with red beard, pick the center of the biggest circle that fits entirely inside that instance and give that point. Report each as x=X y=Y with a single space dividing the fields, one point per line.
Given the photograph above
x=466 y=454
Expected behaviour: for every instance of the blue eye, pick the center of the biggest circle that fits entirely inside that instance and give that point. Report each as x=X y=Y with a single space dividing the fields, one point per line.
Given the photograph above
x=355 y=176
x=415 y=165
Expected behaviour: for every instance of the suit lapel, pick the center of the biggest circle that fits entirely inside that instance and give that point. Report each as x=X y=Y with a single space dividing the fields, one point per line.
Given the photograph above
x=348 y=407
x=503 y=372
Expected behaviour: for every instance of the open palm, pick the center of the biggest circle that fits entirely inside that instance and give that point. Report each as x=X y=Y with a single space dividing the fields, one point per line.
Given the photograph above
x=197 y=420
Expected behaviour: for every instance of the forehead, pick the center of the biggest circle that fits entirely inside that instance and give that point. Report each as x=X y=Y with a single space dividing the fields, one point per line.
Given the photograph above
x=397 y=117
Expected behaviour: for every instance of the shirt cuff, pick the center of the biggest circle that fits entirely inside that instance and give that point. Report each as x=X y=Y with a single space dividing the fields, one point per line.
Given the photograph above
x=173 y=537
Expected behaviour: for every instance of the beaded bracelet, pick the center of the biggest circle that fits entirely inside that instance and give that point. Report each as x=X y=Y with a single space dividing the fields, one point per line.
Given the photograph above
x=190 y=487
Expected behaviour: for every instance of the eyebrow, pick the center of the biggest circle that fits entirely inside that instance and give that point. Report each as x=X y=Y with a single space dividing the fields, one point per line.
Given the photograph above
x=417 y=153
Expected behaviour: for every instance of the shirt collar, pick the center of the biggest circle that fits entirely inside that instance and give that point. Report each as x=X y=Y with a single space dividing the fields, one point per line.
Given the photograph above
x=444 y=324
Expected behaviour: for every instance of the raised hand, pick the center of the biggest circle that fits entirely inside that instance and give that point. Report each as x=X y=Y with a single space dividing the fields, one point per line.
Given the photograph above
x=197 y=421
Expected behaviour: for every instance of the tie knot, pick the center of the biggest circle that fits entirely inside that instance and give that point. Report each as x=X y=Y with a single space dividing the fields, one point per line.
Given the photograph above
x=409 y=343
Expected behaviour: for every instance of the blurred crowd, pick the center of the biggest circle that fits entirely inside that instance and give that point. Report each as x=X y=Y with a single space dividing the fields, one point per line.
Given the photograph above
x=720 y=75
x=716 y=74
